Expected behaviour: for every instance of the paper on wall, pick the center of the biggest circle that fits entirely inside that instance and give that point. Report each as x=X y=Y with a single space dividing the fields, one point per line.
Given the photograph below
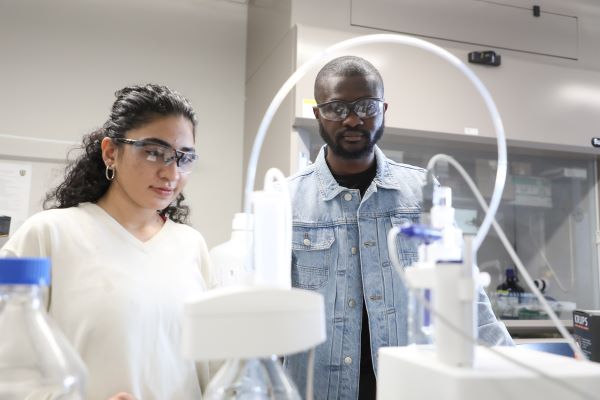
x=15 y=191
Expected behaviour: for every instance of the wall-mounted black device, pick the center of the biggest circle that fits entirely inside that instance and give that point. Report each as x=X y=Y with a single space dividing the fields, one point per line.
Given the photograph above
x=596 y=141
x=487 y=57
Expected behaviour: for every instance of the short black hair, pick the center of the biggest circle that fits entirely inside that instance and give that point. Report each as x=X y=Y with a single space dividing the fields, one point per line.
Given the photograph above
x=346 y=66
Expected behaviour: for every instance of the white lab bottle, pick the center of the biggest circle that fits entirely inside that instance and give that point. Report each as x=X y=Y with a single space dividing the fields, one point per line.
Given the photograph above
x=36 y=361
x=229 y=259
x=272 y=210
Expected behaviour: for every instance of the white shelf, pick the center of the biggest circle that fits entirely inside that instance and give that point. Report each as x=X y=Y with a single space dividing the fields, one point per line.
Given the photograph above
x=534 y=325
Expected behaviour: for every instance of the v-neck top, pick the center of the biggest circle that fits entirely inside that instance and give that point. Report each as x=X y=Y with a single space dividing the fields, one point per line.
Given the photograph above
x=118 y=300
x=120 y=230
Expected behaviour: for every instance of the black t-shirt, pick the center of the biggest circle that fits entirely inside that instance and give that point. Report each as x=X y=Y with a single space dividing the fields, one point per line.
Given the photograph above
x=367 y=383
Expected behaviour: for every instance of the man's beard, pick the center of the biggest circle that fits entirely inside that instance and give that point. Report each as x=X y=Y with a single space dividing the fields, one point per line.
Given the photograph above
x=335 y=144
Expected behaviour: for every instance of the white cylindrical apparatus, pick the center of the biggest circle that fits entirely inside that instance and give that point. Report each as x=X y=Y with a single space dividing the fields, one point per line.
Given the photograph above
x=273 y=233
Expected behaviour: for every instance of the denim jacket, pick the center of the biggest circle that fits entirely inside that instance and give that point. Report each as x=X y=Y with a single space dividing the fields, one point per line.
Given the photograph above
x=339 y=249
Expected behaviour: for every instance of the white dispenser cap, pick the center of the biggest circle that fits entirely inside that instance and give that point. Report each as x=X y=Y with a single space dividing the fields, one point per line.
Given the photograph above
x=242 y=222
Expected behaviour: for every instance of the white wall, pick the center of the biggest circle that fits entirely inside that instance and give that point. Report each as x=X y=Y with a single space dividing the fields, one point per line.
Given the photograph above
x=62 y=60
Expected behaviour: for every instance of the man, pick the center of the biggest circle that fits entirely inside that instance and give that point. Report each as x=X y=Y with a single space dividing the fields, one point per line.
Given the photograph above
x=343 y=207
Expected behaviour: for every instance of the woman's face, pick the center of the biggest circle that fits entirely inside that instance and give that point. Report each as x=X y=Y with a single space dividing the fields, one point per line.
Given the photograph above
x=141 y=175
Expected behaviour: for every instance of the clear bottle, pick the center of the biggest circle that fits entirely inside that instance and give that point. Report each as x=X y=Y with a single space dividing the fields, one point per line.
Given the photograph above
x=228 y=258
x=449 y=248
x=252 y=379
x=420 y=327
x=510 y=285
x=508 y=296
x=36 y=361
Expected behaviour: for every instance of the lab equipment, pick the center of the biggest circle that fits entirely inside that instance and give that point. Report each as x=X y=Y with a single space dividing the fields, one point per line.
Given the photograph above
x=36 y=361
x=249 y=324
x=408 y=370
x=508 y=296
x=272 y=247
x=447 y=273
x=447 y=248
x=229 y=258
x=260 y=317
x=586 y=330
x=420 y=324
x=526 y=306
x=256 y=378
x=510 y=285
x=516 y=371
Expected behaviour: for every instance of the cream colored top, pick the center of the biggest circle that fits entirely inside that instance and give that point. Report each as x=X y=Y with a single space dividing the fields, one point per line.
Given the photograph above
x=119 y=300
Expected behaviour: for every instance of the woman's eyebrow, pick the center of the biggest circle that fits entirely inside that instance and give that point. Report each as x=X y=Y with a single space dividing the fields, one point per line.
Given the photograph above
x=167 y=144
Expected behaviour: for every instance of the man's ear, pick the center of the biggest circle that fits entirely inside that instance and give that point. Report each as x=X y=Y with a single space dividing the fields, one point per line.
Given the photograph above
x=385 y=107
x=316 y=112
x=109 y=151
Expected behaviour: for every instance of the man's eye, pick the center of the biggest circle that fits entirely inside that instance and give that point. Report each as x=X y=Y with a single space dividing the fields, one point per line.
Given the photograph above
x=339 y=109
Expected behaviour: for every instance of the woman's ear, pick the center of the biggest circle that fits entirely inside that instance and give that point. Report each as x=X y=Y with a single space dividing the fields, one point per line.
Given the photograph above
x=109 y=151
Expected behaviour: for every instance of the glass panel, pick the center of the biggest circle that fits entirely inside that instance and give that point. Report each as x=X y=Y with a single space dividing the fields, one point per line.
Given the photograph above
x=548 y=212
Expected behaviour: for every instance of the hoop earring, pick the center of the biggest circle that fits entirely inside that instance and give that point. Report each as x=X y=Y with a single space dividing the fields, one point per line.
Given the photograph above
x=109 y=176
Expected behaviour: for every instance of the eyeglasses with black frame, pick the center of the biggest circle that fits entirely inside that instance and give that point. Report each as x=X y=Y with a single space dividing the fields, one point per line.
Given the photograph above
x=338 y=110
x=151 y=151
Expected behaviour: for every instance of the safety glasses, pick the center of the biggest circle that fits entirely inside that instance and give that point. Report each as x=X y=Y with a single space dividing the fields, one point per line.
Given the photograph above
x=156 y=153
x=338 y=110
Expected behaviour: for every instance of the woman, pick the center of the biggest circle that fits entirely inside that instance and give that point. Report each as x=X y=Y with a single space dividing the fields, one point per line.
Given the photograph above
x=123 y=260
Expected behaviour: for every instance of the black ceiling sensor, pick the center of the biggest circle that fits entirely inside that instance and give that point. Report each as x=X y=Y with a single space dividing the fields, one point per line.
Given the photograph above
x=488 y=57
x=596 y=141
x=536 y=11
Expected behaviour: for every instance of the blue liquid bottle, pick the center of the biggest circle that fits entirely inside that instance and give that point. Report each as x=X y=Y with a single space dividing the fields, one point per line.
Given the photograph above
x=36 y=361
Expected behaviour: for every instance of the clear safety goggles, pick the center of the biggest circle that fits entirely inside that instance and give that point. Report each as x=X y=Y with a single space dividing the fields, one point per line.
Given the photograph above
x=162 y=154
x=338 y=110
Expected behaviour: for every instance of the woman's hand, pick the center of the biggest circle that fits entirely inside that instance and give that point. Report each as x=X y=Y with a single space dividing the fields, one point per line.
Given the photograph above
x=122 y=396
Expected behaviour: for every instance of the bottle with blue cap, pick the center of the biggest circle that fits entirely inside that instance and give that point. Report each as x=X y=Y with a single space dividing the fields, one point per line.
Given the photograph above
x=36 y=361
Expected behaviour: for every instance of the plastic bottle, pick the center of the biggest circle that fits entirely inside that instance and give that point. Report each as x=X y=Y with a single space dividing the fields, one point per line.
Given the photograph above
x=510 y=285
x=508 y=296
x=36 y=361
x=448 y=248
x=229 y=258
x=272 y=210
x=252 y=379
x=420 y=327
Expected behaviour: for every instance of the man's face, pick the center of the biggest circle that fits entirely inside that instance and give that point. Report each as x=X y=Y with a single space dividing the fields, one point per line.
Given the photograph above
x=353 y=137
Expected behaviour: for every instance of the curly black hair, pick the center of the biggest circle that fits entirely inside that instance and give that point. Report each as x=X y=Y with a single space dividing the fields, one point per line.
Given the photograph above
x=135 y=106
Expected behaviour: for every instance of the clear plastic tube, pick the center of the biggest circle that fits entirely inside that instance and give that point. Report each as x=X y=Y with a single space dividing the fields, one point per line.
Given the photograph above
x=398 y=39
x=513 y=255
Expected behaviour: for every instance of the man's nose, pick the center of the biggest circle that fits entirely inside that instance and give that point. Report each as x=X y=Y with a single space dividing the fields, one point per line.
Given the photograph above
x=352 y=120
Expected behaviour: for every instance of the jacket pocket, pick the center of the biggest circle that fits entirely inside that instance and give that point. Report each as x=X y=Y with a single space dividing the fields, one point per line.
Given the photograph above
x=312 y=254
x=407 y=248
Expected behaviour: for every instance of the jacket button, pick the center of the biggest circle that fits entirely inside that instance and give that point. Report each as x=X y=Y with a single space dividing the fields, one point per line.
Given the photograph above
x=348 y=360
x=353 y=250
x=306 y=242
x=351 y=303
x=347 y=197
